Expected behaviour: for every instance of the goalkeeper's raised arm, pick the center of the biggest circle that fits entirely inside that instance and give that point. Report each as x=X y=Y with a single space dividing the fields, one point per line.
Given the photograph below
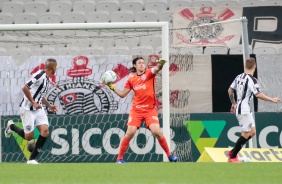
x=160 y=65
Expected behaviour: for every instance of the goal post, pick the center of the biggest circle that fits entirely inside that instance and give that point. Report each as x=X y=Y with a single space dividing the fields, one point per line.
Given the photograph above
x=122 y=25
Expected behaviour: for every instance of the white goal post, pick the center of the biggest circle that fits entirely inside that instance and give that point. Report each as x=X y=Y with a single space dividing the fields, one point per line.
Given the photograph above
x=122 y=25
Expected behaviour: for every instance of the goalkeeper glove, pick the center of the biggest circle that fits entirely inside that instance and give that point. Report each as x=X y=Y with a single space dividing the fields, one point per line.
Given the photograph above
x=161 y=61
x=110 y=85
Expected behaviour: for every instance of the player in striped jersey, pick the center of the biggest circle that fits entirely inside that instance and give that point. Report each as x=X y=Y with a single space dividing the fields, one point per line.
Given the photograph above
x=142 y=82
x=245 y=86
x=31 y=110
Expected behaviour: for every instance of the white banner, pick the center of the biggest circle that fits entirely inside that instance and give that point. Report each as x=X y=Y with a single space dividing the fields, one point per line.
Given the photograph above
x=76 y=87
x=227 y=34
x=269 y=76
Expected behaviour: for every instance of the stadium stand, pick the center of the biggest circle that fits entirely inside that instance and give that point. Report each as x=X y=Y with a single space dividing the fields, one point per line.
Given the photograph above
x=122 y=16
x=98 y=16
x=176 y=4
x=84 y=6
x=199 y=3
x=265 y=50
x=146 y=16
x=26 y=18
x=134 y=5
x=215 y=50
x=37 y=7
x=6 y=18
x=13 y=7
x=50 y=17
x=158 y=6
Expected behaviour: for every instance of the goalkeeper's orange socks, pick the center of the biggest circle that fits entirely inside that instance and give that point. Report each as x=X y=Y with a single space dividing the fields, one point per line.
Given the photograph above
x=164 y=145
x=123 y=147
x=38 y=146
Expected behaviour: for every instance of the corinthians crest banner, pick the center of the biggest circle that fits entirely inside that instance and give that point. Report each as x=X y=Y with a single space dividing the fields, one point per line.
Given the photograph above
x=227 y=34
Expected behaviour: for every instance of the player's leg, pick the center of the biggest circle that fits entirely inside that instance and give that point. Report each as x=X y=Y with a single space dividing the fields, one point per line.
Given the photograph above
x=42 y=125
x=152 y=122
x=248 y=130
x=133 y=124
x=131 y=130
x=28 y=119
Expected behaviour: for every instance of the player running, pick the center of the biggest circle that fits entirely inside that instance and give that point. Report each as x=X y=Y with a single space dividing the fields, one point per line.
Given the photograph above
x=31 y=110
x=245 y=85
x=142 y=82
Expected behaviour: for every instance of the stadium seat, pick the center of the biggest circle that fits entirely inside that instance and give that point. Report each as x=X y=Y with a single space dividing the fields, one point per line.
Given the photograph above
x=127 y=42
x=166 y=16
x=201 y=3
x=92 y=51
x=154 y=41
x=26 y=18
x=146 y=16
x=238 y=50
x=141 y=50
x=227 y=3
x=62 y=7
x=215 y=50
x=67 y=51
x=122 y=16
x=84 y=6
x=133 y=5
x=265 y=50
x=48 y=51
x=50 y=17
x=108 y=6
x=37 y=7
x=6 y=18
x=3 y=52
x=179 y=4
x=272 y=2
x=99 y=16
x=191 y=50
x=247 y=3
x=119 y=50
x=13 y=7
x=74 y=17
x=159 y=6
x=103 y=42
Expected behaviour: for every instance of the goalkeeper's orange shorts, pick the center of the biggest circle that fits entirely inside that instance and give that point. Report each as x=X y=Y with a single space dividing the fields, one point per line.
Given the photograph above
x=136 y=116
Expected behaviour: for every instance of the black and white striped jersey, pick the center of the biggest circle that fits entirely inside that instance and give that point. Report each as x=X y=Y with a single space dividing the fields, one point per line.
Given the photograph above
x=245 y=85
x=38 y=85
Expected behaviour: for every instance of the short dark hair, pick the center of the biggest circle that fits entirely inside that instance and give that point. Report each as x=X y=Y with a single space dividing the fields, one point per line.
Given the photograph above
x=250 y=63
x=50 y=63
x=133 y=69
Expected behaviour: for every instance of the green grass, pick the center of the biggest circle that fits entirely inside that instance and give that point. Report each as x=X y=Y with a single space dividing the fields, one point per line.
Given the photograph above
x=143 y=173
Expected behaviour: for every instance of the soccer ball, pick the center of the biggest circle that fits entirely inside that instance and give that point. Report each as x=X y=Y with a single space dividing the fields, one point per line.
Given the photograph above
x=109 y=76
x=30 y=145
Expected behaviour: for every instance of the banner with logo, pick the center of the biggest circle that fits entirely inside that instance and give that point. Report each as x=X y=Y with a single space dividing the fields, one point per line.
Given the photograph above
x=76 y=87
x=245 y=155
x=221 y=130
x=90 y=138
x=212 y=35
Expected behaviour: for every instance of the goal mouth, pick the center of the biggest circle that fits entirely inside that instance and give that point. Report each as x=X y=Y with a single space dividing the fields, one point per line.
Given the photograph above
x=92 y=120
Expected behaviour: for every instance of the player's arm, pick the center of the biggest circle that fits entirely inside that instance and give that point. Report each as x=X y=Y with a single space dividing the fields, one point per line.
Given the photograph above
x=53 y=108
x=232 y=100
x=159 y=66
x=27 y=93
x=267 y=98
x=121 y=93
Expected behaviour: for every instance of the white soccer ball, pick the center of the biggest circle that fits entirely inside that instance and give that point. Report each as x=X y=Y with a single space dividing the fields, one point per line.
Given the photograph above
x=109 y=76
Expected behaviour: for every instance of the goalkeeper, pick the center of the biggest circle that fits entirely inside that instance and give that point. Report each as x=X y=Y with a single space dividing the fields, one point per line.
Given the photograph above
x=142 y=82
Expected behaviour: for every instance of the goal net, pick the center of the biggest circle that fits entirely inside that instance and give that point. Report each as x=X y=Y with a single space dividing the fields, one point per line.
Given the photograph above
x=92 y=120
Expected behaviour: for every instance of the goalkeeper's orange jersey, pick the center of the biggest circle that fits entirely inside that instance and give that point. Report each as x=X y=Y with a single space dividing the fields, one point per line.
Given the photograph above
x=144 y=89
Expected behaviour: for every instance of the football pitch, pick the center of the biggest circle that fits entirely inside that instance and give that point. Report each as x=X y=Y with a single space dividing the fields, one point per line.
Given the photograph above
x=145 y=173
